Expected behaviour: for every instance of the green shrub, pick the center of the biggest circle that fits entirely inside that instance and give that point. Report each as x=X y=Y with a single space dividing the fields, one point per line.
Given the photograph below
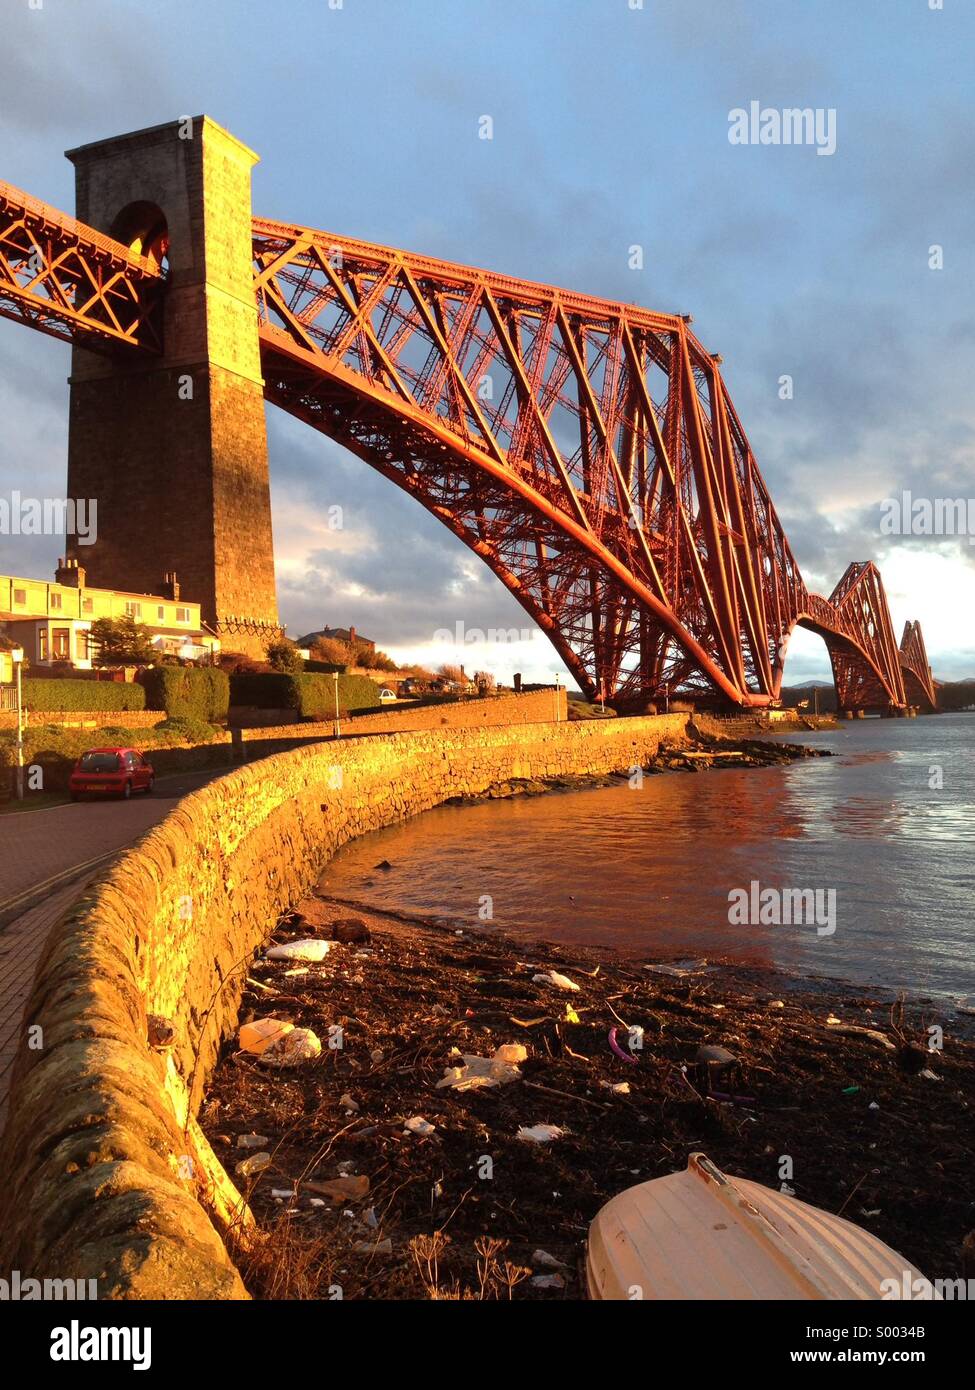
x=312 y=695
x=40 y=694
x=188 y=692
x=317 y=694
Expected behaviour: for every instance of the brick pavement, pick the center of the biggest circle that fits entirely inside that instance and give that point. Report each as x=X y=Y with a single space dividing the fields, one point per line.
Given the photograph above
x=46 y=859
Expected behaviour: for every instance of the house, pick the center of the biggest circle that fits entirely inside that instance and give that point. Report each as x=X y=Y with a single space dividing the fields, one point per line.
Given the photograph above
x=348 y=635
x=52 y=622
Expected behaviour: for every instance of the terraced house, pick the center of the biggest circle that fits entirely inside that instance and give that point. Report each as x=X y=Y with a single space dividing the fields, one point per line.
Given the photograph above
x=52 y=621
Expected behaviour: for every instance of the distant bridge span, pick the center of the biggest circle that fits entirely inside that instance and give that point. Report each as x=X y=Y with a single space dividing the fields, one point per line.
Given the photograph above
x=587 y=451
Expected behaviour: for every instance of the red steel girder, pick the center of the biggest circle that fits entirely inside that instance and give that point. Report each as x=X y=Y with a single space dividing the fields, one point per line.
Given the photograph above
x=66 y=279
x=918 y=680
x=587 y=450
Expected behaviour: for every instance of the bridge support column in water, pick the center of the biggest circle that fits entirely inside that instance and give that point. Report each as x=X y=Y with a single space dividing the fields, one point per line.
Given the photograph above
x=174 y=447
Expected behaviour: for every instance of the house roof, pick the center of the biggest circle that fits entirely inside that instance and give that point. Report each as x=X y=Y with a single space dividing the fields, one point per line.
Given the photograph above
x=334 y=634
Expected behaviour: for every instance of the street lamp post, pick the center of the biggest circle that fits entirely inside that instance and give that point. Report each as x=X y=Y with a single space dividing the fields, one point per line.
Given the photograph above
x=338 y=726
x=17 y=657
x=558 y=687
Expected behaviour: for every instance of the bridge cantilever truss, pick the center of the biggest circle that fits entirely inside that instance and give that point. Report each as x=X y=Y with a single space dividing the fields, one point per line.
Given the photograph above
x=587 y=450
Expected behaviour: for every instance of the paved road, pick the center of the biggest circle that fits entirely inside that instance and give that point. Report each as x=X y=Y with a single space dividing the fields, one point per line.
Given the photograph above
x=46 y=858
x=39 y=850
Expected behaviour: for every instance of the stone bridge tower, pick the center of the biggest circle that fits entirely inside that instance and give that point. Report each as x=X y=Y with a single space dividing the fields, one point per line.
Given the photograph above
x=174 y=448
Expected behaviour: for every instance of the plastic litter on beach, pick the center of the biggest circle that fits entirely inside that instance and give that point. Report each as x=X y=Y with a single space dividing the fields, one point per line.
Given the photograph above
x=619 y=1088
x=548 y=1281
x=256 y=1163
x=541 y=1134
x=418 y=1125
x=308 y=948
x=257 y=1037
x=293 y=1050
x=477 y=1071
x=679 y=968
x=626 y=1056
x=552 y=977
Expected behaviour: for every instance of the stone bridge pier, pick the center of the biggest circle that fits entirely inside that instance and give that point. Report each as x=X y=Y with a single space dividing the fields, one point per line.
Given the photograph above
x=174 y=448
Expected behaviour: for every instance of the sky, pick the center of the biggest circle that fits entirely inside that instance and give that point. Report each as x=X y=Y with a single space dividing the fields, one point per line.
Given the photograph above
x=610 y=130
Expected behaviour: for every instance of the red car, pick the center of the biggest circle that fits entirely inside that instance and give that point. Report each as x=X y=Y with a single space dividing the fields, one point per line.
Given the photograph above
x=110 y=771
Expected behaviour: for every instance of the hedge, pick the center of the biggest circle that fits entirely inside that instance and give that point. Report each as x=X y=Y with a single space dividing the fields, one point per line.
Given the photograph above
x=317 y=694
x=311 y=695
x=67 y=694
x=188 y=692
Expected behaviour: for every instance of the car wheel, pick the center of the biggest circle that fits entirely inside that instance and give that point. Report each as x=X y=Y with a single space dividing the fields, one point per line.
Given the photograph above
x=127 y=791
x=150 y=784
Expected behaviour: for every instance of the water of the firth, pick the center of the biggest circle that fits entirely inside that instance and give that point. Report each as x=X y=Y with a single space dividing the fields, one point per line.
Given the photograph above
x=649 y=871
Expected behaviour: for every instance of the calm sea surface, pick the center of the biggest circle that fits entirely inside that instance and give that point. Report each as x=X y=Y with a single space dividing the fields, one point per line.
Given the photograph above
x=648 y=871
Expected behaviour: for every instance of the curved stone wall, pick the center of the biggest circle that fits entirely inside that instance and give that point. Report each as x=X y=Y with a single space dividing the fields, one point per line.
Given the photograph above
x=106 y=1175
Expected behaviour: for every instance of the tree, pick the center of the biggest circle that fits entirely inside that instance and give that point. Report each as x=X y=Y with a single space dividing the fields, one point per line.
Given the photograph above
x=121 y=642
x=284 y=655
x=331 y=652
x=451 y=673
x=484 y=680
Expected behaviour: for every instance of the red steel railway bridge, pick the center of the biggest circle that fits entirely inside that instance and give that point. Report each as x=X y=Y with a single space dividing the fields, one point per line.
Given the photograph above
x=588 y=451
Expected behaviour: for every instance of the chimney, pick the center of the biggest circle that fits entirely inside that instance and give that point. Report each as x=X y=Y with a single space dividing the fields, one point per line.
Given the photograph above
x=352 y=637
x=70 y=574
x=170 y=587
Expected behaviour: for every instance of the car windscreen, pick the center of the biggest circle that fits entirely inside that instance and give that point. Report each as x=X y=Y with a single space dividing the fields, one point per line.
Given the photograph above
x=99 y=762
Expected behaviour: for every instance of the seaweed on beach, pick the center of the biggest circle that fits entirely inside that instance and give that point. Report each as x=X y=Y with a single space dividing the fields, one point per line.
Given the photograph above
x=876 y=1130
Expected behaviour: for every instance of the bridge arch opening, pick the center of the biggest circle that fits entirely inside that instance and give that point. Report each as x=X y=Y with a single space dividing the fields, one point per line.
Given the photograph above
x=808 y=667
x=142 y=227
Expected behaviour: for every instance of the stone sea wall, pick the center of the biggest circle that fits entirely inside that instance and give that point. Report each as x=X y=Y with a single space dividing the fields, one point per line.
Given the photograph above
x=106 y=1174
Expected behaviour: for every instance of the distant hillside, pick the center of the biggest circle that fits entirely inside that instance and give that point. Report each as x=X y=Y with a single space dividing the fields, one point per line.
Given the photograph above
x=819 y=695
x=955 y=694
x=951 y=695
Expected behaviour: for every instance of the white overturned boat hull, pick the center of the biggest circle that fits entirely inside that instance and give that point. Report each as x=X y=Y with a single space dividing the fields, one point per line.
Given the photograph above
x=702 y=1235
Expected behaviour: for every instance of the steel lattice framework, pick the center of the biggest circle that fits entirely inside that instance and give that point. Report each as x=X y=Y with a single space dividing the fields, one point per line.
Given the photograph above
x=587 y=450
x=918 y=680
x=66 y=279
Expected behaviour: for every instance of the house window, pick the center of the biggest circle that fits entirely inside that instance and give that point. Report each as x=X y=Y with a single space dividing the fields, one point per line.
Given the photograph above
x=42 y=644
x=81 y=643
x=61 y=643
x=133 y=610
x=160 y=614
x=56 y=600
x=20 y=597
x=182 y=615
x=87 y=605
